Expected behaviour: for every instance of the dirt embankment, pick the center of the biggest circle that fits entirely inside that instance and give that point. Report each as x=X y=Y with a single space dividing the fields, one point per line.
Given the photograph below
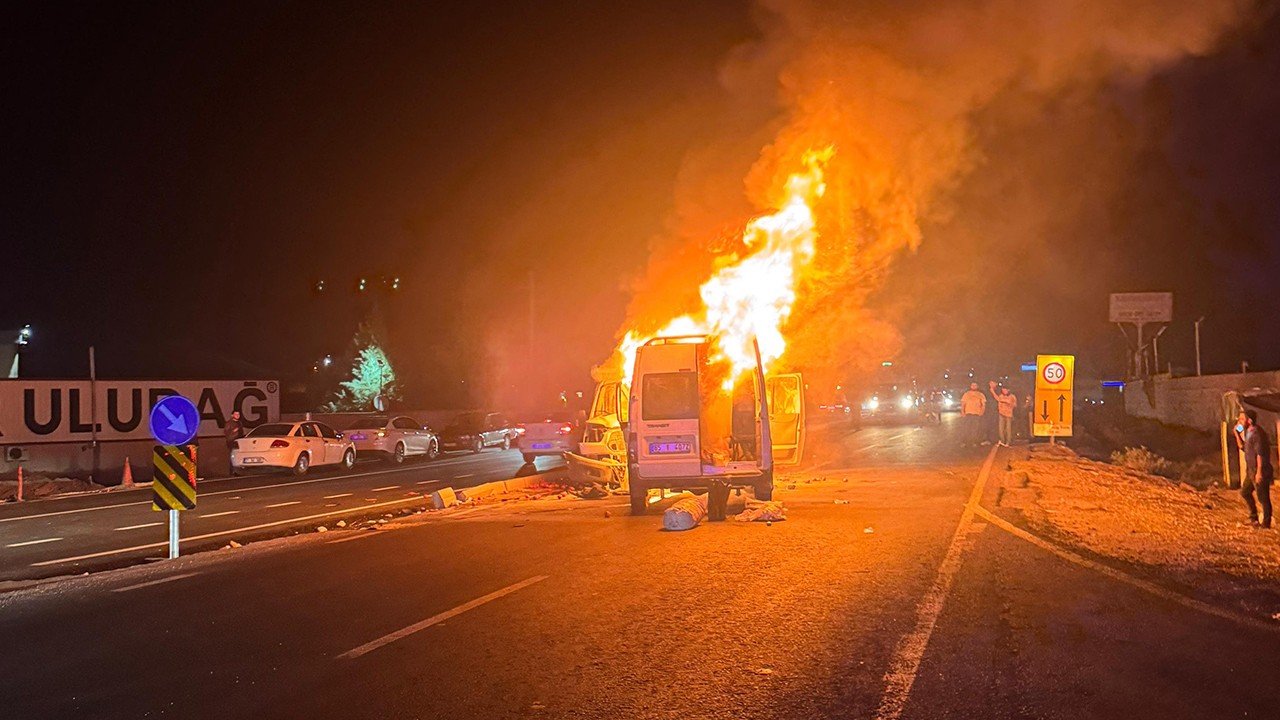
x=1197 y=541
x=39 y=486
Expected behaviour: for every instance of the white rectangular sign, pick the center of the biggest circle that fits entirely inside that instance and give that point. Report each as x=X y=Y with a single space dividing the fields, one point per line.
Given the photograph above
x=41 y=411
x=1141 y=307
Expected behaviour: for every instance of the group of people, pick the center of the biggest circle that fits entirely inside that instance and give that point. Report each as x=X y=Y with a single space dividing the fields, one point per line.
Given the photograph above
x=973 y=406
x=1257 y=474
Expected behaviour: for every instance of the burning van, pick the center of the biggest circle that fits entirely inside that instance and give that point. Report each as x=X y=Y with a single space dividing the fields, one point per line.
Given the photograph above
x=695 y=423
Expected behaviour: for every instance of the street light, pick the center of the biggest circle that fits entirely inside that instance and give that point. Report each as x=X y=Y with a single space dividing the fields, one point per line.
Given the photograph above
x=24 y=335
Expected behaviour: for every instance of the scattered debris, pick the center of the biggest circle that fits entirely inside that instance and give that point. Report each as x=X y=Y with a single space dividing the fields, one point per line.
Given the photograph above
x=763 y=671
x=841 y=502
x=341 y=523
x=234 y=544
x=322 y=529
x=608 y=514
x=762 y=511
x=867 y=530
x=443 y=498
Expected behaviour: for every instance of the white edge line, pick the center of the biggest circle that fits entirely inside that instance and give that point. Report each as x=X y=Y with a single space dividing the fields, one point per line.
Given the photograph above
x=171 y=578
x=1128 y=579
x=435 y=619
x=224 y=533
x=357 y=536
x=905 y=663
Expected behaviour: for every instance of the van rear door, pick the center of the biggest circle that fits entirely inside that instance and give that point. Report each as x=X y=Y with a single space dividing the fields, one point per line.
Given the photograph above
x=786 y=417
x=665 y=411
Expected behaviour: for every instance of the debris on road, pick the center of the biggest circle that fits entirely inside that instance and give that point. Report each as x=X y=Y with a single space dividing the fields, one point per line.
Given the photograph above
x=443 y=498
x=322 y=529
x=685 y=514
x=341 y=523
x=762 y=511
x=868 y=530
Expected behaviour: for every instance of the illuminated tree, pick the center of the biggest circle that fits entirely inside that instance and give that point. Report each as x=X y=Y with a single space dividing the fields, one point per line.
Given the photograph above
x=371 y=375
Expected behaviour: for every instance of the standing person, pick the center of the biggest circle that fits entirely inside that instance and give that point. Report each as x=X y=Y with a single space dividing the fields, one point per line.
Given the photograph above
x=233 y=431
x=1258 y=474
x=972 y=406
x=1006 y=403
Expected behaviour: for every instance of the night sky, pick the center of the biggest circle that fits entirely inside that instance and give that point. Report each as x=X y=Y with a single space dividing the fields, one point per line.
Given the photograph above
x=177 y=177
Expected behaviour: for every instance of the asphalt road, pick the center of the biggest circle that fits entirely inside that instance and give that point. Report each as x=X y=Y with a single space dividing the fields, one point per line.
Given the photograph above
x=82 y=533
x=884 y=595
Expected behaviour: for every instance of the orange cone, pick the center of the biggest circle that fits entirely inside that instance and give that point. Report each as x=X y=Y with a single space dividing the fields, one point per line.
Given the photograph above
x=128 y=474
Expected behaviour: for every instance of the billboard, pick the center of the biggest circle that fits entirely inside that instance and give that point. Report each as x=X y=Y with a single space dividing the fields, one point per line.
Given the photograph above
x=45 y=411
x=1141 y=307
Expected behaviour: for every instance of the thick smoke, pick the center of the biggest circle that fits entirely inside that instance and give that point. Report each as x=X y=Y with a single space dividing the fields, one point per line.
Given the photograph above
x=895 y=88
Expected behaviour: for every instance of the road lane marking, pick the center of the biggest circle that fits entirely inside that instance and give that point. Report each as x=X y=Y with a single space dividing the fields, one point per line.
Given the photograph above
x=139 y=527
x=219 y=514
x=33 y=542
x=905 y=664
x=283 y=504
x=436 y=619
x=1114 y=574
x=171 y=578
x=389 y=487
x=357 y=536
x=96 y=508
x=460 y=477
x=220 y=533
x=339 y=495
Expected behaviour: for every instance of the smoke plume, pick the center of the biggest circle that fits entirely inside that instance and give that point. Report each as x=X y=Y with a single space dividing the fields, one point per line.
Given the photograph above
x=894 y=87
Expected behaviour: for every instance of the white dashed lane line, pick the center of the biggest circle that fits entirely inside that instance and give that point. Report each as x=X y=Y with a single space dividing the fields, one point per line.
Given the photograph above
x=220 y=514
x=283 y=504
x=139 y=527
x=33 y=542
x=389 y=487
x=339 y=495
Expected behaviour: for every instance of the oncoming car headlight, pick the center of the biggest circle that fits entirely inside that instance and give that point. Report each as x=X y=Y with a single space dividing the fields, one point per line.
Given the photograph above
x=872 y=404
x=906 y=403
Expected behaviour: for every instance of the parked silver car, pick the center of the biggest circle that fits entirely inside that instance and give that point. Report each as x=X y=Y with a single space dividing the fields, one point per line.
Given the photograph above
x=394 y=437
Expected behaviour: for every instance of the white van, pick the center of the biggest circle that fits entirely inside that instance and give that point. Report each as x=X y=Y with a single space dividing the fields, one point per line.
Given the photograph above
x=686 y=432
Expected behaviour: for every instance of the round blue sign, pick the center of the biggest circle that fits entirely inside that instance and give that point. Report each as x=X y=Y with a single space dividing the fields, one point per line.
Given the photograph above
x=174 y=421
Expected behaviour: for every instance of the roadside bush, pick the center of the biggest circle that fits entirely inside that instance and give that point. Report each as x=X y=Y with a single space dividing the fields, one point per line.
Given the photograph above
x=1144 y=461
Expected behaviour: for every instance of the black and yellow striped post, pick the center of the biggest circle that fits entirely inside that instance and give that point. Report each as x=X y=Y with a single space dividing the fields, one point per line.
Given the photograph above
x=173 y=485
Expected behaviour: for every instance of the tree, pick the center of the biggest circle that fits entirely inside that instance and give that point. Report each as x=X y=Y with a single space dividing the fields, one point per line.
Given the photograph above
x=371 y=375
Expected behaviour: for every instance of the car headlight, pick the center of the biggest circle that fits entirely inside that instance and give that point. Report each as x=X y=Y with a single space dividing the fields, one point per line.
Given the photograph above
x=906 y=403
x=872 y=404
x=947 y=402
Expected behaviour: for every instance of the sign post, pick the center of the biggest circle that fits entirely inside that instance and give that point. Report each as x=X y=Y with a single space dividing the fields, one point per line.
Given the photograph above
x=1140 y=310
x=1052 y=412
x=174 y=422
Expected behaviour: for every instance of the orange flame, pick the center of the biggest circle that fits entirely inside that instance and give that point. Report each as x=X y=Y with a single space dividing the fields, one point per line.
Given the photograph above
x=751 y=297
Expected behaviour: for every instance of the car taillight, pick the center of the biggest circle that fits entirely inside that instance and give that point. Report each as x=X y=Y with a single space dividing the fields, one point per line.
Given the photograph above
x=279 y=444
x=382 y=433
x=565 y=429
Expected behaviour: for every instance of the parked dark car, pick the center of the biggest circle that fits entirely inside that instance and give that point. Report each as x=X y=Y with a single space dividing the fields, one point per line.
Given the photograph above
x=476 y=431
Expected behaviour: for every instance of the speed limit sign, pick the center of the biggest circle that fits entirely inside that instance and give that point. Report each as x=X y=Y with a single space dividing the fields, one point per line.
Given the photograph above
x=1054 y=373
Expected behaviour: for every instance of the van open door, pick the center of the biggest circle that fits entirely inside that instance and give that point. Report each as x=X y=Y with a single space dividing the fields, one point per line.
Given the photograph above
x=786 y=417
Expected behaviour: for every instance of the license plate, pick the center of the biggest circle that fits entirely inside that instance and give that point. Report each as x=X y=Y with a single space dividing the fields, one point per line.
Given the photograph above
x=252 y=461
x=670 y=448
x=542 y=446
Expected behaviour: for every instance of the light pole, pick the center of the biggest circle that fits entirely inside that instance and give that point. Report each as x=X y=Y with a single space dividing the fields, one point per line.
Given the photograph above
x=1198 y=321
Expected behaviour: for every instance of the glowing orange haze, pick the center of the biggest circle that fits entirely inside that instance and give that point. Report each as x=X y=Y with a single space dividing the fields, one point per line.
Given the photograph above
x=750 y=296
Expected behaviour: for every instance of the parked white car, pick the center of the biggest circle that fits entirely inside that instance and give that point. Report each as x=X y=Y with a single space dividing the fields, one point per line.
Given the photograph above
x=297 y=446
x=395 y=438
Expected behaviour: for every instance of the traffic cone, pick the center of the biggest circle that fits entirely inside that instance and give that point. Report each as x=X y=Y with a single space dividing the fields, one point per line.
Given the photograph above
x=19 y=483
x=128 y=474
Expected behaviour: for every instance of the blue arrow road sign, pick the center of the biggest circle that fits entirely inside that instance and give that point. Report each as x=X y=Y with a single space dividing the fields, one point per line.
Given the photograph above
x=174 y=421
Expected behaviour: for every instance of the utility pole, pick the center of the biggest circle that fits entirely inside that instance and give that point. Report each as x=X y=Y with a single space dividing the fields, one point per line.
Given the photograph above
x=532 y=353
x=1198 y=321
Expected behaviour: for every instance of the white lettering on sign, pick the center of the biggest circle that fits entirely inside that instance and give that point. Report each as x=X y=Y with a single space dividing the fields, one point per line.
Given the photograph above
x=40 y=411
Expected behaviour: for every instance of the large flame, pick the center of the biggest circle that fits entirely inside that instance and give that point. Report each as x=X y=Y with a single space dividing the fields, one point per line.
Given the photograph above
x=751 y=295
